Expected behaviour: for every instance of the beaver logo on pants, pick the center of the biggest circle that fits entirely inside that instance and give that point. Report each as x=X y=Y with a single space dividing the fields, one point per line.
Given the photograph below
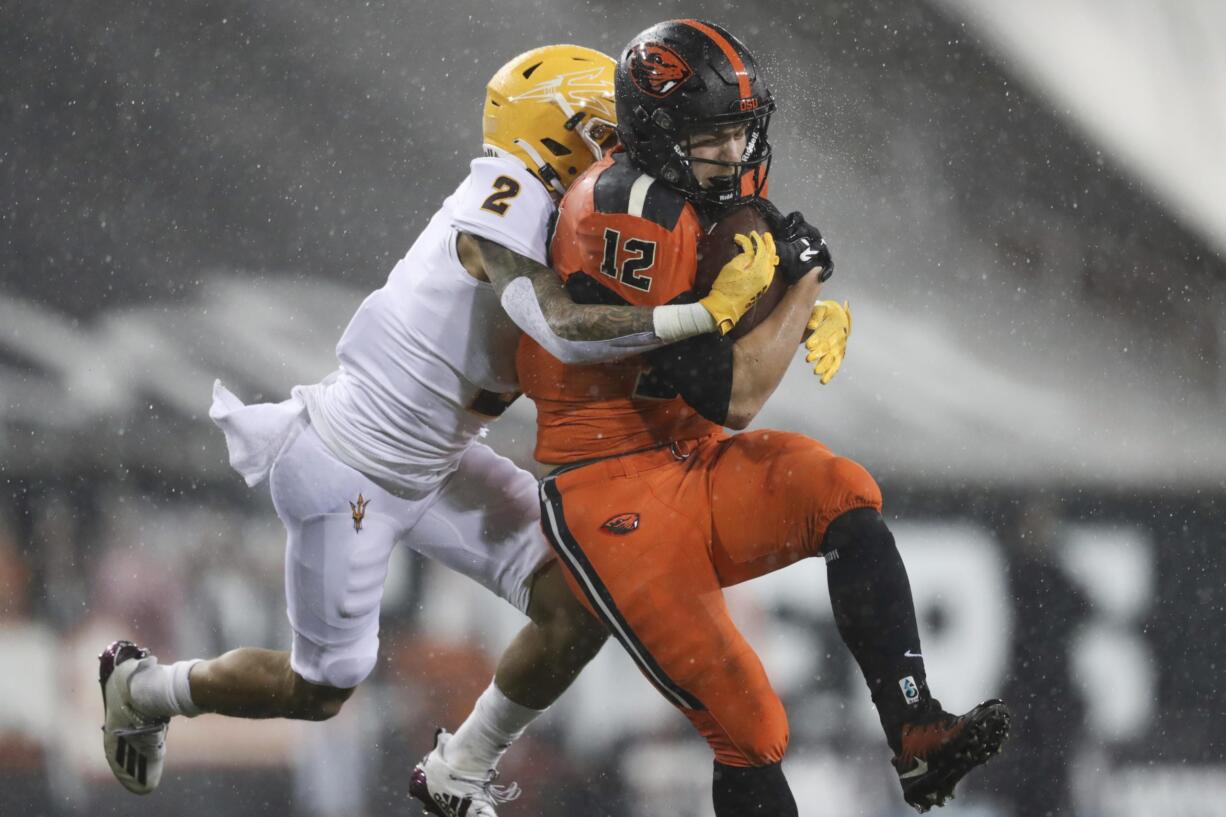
x=622 y=523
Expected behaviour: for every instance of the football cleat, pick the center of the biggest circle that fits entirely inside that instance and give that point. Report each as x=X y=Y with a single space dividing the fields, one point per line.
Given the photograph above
x=448 y=793
x=939 y=749
x=135 y=744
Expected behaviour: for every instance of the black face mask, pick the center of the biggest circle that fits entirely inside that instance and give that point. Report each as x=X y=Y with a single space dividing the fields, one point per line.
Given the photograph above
x=727 y=189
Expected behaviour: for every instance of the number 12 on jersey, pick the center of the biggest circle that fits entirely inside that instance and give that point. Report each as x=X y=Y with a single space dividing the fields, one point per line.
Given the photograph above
x=639 y=255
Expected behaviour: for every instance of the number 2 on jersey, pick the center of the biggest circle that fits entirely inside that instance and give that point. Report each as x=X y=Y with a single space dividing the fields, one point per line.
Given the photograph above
x=640 y=255
x=504 y=188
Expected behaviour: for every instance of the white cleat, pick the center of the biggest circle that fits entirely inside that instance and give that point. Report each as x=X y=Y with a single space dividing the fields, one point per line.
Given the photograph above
x=448 y=793
x=135 y=744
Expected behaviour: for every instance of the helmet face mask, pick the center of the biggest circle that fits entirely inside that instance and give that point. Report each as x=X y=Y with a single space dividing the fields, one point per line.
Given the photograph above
x=600 y=135
x=685 y=77
x=753 y=161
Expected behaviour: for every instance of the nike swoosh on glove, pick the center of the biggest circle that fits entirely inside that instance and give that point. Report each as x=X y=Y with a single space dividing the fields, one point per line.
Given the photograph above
x=800 y=245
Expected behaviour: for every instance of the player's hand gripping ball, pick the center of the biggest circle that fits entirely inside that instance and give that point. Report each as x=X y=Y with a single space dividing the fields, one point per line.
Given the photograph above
x=742 y=280
x=829 y=326
x=720 y=253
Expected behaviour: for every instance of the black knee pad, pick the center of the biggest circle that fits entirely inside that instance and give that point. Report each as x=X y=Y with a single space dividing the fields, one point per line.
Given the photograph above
x=754 y=791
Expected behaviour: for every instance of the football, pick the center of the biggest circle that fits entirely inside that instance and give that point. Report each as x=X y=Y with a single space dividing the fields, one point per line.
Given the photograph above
x=717 y=248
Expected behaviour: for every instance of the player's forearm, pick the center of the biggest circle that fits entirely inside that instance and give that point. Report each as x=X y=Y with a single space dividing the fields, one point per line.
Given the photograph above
x=534 y=297
x=760 y=359
x=565 y=318
x=574 y=321
x=666 y=324
x=526 y=289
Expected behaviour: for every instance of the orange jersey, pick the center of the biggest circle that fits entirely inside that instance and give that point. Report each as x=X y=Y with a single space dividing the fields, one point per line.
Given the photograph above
x=621 y=237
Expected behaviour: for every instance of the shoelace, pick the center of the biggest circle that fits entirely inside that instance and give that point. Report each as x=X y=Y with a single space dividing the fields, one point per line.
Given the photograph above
x=494 y=793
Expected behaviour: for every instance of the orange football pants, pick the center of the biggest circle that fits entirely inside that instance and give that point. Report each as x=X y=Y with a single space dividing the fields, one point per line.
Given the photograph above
x=650 y=539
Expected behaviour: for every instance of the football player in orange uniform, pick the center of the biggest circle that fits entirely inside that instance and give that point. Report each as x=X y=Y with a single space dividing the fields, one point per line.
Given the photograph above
x=655 y=507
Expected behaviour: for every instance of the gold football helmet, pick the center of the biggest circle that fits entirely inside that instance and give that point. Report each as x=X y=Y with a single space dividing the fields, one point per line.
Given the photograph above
x=552 y=108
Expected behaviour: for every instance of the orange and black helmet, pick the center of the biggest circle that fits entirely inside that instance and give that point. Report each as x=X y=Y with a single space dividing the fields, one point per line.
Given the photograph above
x=683 y=76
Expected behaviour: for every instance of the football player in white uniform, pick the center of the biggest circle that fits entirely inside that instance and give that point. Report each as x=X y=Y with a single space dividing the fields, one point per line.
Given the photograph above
x=385 y=451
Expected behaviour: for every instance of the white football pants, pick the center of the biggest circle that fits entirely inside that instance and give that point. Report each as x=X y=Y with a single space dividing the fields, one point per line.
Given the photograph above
x=482 y=521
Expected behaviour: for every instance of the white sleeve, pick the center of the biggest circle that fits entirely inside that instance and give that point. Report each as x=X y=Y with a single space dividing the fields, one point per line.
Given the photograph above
x=501 y=201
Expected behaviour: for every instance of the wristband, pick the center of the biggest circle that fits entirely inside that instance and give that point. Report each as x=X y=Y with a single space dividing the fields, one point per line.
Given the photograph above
x=673 y=322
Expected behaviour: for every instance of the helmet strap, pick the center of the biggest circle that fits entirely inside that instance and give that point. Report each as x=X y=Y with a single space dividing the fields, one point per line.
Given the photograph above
x=543 y=169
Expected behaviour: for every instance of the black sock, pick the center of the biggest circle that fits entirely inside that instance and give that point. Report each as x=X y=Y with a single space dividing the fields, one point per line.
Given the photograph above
x=755 y=791
x=875 y=615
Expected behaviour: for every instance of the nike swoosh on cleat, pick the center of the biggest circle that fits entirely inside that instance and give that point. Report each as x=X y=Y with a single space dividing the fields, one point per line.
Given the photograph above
x=909 y=654
x=921 y=769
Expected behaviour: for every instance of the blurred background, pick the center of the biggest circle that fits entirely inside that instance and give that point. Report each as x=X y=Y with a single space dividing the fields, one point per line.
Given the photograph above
x=1026 y=204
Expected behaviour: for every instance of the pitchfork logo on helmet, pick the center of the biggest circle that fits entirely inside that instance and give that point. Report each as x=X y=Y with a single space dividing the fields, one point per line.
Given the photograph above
x=591 y=88
x=657 y=69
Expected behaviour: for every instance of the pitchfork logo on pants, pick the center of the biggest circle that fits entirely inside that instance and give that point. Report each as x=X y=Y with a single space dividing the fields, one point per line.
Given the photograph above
x=359 y=512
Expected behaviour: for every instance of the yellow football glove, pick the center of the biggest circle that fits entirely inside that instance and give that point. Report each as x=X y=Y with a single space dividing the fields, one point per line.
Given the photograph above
x=742 y=280
x=831 y=325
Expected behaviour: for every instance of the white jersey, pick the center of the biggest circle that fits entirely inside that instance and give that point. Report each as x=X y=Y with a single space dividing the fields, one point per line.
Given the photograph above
x=429 y=357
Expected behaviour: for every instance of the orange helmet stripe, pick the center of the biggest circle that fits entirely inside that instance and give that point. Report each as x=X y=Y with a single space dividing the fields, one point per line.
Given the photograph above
x=738 y=65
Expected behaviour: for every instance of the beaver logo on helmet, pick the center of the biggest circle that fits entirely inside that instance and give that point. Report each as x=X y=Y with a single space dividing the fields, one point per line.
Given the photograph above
x=657 y=69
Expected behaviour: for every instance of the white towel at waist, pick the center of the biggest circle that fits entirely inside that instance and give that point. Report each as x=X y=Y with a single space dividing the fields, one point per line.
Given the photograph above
x=256 y=434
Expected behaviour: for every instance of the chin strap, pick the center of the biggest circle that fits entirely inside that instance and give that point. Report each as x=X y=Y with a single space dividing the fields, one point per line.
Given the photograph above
x=548 y=175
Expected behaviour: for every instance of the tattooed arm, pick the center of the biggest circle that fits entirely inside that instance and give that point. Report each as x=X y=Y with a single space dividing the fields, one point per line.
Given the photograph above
x=567 y=319
x=534 y=297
